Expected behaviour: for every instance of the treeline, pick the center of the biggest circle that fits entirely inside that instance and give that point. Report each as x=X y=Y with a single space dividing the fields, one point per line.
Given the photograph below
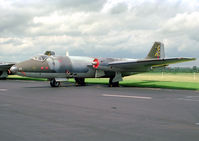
x=177 y=69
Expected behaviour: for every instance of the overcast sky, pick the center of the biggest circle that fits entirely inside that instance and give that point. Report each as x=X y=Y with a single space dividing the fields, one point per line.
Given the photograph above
x=102 y=28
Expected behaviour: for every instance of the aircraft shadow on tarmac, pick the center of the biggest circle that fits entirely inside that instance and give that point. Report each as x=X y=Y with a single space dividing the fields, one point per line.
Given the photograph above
x=143 y=84
x=69 y=85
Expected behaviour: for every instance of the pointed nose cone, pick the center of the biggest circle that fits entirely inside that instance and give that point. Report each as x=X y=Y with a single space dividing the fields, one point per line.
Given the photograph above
x=14 y=69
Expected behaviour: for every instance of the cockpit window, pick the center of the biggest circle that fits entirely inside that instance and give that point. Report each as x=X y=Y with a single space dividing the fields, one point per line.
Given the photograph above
x=40 y=57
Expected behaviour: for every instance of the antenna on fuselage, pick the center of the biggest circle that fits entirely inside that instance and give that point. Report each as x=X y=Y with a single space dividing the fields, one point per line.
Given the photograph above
x=67 y=53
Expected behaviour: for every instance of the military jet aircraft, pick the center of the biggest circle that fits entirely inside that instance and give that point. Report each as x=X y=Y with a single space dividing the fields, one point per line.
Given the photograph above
x=60 y=68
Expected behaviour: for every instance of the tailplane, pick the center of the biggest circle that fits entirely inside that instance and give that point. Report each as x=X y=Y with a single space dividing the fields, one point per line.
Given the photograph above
x=157 y=51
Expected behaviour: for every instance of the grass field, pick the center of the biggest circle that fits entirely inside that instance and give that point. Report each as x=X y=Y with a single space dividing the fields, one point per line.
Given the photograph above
x=189 y=81
x=25 y=78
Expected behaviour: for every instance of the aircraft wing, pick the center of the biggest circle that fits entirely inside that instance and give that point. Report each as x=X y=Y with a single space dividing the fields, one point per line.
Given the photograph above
x=6 y=66
x=146 y=63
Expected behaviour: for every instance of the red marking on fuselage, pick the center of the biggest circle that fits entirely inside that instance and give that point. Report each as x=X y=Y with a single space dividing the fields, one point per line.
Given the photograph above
x=97 y=63
x=9 y=72
x=46 y=68
x=23 y=73
x=67 y=72
x=42 y=68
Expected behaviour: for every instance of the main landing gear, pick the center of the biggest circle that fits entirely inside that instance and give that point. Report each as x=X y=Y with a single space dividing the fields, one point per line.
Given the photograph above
x=80 y=82
x=54 y=83
x=113 y=84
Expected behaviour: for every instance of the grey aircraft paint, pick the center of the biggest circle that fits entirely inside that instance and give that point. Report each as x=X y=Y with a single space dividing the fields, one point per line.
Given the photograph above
x=56 y=67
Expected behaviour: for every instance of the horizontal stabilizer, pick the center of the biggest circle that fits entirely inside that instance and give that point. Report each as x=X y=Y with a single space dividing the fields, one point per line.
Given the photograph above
x=138 y=64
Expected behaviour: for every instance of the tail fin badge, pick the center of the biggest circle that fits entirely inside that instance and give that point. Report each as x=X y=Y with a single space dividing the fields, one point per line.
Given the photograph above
x=158 y=52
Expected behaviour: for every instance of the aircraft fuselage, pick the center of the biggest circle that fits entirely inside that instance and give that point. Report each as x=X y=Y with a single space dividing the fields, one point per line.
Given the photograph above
x=66 y=67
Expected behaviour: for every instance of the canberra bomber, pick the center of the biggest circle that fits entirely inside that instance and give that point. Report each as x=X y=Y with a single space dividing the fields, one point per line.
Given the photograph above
x=61 y=68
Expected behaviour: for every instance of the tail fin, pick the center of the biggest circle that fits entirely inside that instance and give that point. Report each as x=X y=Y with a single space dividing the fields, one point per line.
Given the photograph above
x=157 y=51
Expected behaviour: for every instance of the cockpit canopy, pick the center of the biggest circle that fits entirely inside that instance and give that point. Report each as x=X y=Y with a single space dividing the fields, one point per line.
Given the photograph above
x=49 y=53
x=40 y=57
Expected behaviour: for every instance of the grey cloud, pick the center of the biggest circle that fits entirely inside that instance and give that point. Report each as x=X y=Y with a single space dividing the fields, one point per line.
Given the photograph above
x=119 y=8
x=13 y=23
x=80 y=5
x=83 y=29
x=14 y=42
x=19 y=18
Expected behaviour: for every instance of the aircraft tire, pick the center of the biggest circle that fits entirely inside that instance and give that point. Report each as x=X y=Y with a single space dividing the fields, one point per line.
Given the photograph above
x=3 y=78
x=54 y=83
x=113 y=84
x=80 y=82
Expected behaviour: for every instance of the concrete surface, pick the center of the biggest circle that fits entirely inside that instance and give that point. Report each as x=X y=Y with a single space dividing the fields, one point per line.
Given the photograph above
x=33 y=111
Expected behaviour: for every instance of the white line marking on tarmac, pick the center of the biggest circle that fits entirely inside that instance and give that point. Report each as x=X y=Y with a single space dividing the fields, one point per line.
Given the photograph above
x=126 y=96
x=3 y=90
x=197 y=124
x=188 y=99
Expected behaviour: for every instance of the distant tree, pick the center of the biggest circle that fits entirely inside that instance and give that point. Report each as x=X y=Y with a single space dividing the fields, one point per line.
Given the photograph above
x=194 y=69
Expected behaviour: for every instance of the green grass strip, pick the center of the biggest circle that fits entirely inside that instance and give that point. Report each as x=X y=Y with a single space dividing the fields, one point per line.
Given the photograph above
x=16 y=77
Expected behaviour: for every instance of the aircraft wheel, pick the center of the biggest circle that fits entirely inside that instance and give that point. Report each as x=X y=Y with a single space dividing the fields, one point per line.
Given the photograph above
x=3 y=78
x=113 y=84
x=80 y=82
x=54 y=83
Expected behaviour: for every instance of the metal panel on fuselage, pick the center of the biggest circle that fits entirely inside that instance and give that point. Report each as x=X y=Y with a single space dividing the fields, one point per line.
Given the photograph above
x=80 y=66
x=70 y=66
x=59 y=64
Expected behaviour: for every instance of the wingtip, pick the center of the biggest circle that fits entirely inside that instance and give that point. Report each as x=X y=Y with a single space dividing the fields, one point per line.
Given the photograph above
x=191 y=59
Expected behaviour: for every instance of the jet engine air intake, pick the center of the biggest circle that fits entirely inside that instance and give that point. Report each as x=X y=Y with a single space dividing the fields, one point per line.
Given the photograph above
x=95 y=63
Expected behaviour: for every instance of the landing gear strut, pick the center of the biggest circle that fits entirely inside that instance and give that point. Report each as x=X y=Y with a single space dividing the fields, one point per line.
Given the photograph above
x=80 y=82
x=113 y=84
x=54 y=83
